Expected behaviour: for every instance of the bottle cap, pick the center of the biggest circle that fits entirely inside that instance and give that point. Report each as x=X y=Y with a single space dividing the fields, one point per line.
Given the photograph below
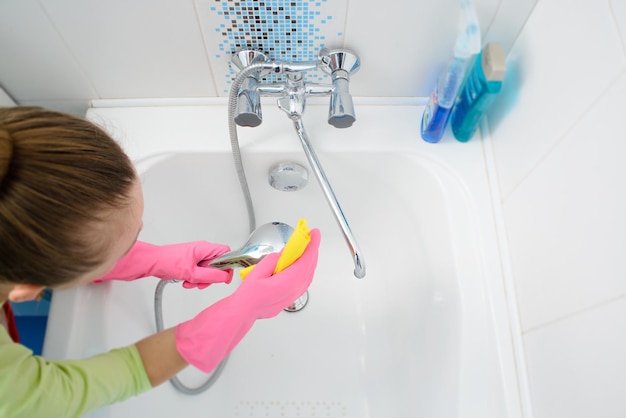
x=493 y=61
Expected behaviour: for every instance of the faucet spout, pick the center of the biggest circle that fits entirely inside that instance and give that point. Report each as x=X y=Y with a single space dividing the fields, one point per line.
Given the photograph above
x=357 y=256
x=244 y=109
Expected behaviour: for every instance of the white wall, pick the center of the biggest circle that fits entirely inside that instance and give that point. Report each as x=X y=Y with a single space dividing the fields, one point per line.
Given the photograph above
x=559 y=140
x=64 y=53
x=5 y=100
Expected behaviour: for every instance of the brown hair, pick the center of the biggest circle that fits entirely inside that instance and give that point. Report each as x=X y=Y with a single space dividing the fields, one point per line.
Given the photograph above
x=58 y=175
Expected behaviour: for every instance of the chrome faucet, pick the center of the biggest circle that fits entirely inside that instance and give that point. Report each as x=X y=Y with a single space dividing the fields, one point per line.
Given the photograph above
x=340 y=64
x=291 y=98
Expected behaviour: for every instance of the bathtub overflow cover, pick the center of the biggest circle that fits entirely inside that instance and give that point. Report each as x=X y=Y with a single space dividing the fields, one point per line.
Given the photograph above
x=288 y=176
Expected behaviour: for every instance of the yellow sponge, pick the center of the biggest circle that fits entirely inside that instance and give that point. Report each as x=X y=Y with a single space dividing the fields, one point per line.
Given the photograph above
x=293 y=249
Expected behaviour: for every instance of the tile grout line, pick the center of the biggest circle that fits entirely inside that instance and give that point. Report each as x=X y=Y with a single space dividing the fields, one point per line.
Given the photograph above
x=70 y=51
x=565 y=134
x=617 y=26
x=578 y=312
x=206 y=49
x=577 y=121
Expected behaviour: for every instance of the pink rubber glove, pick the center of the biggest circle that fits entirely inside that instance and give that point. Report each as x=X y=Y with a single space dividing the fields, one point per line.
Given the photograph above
x=171 y=262
x=206 y=340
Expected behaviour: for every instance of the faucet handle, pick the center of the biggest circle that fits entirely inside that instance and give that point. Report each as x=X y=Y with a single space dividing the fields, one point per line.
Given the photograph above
x=340 y=64
x=245 y=57
x=248 y=99
x=338 y=59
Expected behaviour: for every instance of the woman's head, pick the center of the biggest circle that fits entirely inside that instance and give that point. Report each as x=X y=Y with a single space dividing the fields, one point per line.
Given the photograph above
x=66 y=189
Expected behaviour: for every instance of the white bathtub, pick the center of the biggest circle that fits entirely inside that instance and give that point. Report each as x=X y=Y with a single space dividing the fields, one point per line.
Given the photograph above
x=425 y=334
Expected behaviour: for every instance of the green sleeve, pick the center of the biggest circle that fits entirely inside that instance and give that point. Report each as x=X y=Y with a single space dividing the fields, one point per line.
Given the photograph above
x=33 y=387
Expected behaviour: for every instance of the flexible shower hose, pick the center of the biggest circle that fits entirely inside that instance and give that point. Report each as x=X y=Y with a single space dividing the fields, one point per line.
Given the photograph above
x=175 y=381
x=234 y=142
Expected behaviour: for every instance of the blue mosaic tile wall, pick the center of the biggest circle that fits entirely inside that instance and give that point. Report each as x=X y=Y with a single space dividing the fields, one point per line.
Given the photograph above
x=283 y=29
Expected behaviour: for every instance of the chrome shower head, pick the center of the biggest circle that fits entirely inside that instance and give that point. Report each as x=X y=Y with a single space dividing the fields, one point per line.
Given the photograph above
x=264 y=240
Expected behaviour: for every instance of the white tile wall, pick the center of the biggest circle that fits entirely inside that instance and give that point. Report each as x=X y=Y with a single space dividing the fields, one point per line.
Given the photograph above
x=131 y=49
x=405 y=45
x=559 y=139
x=508 y=22
x=36 y=63
x=5 y=100
x=61 y=53
x=567 y=219
x=618 y=7
x=577 y=367
x=562 y=63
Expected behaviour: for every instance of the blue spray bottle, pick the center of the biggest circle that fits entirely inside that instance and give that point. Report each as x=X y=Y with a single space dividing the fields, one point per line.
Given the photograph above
x=483 y=83
x=467 y=44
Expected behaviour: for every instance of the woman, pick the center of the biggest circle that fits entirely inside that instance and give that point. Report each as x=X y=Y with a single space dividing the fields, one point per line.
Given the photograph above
x=70 y=212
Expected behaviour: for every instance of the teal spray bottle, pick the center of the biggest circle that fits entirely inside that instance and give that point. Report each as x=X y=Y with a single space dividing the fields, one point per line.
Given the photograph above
x=482 y=85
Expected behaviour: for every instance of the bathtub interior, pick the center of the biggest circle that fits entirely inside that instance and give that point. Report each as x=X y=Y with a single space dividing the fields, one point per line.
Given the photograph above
x=388 y=345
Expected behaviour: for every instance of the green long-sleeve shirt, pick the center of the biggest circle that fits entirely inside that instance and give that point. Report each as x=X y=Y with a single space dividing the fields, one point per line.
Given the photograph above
x=33 y=387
